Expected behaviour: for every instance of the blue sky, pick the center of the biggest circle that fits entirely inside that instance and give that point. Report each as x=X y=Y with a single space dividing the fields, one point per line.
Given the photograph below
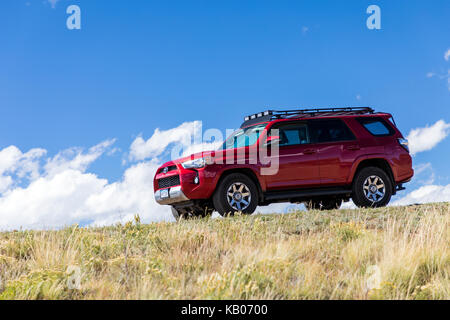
x=141 y=65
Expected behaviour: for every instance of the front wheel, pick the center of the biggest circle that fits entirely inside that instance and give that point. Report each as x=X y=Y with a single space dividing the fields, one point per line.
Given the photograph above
x=372 y=187
x=190 y=213
x=236 y=193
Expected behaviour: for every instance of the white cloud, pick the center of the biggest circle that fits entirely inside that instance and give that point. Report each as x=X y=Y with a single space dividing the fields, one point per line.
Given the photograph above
x=16 y=166
x=8 y=158
x=75 y=159
x=426 y=194
x=61 y=192
x=56 y=193
x=133 y=195
x=153 y=147
x=72 y=196
x=13 y=160
x=447 y=55
x=424 y=139
x=49 y=201
x=200 y=147
x=5 y=183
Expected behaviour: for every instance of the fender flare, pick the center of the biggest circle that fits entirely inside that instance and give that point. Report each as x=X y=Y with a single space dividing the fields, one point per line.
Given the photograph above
x=375 y=156
x=260 y=183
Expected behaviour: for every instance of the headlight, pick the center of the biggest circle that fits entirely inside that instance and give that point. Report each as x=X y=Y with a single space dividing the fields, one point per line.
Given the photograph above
x=194 y=164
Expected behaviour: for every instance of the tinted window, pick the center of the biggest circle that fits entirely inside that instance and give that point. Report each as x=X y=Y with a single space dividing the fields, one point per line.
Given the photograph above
x=330 y=131
x=293 y=134
x=376 y=126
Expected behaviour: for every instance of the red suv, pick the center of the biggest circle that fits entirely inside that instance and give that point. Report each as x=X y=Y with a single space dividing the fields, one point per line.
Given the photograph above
x=322 y=157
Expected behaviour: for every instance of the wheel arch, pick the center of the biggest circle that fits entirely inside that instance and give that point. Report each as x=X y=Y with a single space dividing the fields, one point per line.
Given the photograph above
x=377 y=162
x=249 y=173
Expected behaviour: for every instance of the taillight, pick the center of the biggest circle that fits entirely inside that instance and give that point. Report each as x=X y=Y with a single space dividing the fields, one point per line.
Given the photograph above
x=404 y=143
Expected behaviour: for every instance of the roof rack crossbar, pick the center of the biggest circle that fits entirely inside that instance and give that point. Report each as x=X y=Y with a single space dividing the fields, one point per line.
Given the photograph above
x=347 y=110
x=284 y=114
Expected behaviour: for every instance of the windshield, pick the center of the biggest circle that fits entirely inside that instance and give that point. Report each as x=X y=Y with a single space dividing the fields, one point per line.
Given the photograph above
x=244 y=137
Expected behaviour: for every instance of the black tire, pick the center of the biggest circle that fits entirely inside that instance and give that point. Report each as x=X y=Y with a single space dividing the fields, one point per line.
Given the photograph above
x=361 y=192
x=323 y=204
x=191 y=213
x=177 y=214
x=221 y=197
x=185 y=214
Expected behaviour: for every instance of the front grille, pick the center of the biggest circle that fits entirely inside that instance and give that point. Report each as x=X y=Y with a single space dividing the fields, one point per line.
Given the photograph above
x=169 y=182
x=169 y=168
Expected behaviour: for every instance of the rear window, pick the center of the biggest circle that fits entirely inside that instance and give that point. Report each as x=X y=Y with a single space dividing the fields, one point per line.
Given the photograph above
x=376 y=126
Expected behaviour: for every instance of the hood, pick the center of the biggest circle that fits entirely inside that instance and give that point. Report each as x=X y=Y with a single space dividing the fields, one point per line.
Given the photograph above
x=190 y=157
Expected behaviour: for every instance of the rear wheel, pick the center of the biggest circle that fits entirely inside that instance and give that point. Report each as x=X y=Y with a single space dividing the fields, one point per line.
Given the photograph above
x=236 y=193
x=323 y=204
x=372 y=187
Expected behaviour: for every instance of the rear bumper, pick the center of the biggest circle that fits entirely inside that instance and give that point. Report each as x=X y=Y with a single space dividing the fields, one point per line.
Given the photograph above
x=175 y=195
x=406 y=176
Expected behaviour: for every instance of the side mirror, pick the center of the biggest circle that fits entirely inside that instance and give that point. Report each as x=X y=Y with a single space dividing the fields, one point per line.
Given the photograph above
x=272 y=140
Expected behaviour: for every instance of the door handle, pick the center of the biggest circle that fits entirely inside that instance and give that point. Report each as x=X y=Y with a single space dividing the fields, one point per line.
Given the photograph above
x=309 y=151
x=353 y=147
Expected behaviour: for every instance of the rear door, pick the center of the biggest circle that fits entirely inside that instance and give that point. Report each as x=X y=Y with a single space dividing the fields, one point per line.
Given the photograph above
x=337 y=148
x=297 y=158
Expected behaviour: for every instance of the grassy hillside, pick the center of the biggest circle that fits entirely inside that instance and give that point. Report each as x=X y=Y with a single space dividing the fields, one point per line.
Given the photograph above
x=389 y=253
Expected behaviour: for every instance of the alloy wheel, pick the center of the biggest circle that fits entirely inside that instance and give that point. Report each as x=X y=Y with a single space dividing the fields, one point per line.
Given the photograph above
x=239 y=196
x=374 y=188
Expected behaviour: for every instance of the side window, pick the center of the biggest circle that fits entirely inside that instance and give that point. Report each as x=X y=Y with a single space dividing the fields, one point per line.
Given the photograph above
x=293 y=134
x=330 y=131
x=376 y=126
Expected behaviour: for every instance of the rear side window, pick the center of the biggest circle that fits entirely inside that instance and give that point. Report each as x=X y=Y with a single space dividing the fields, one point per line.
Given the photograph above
x=329 y=130
x=376 y=126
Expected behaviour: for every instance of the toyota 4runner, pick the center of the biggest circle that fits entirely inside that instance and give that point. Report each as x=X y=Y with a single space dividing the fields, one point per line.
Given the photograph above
x=323 y=157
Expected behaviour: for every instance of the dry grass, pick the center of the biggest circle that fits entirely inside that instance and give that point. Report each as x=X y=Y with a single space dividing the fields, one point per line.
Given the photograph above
x=389 y=253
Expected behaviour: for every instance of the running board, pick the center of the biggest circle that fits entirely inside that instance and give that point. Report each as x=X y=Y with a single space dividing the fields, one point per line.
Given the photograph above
x=305 y=194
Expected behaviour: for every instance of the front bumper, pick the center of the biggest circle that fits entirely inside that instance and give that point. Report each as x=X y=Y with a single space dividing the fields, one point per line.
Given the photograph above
x=175 y=195
x=193 y=184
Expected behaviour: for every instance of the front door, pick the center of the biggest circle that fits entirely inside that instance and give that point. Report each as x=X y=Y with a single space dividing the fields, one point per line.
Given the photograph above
x=297 y=158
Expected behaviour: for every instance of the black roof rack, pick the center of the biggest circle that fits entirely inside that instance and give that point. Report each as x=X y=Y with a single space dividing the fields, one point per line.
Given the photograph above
x=303 y=113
